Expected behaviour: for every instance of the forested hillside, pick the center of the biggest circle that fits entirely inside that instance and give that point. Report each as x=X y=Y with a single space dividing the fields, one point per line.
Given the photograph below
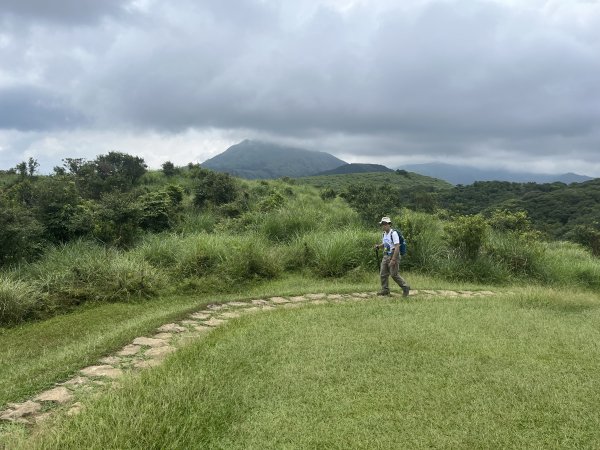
x=560 y=211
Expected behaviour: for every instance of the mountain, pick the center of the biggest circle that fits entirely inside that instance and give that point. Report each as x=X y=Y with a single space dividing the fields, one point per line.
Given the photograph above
x=257 y=159
x=355 y=168
x=466 y=175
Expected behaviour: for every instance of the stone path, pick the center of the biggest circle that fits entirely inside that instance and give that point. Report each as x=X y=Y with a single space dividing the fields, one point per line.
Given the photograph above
x=149 y=351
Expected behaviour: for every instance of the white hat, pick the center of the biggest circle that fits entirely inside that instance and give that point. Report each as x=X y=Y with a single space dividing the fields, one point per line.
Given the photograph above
x=385 y=220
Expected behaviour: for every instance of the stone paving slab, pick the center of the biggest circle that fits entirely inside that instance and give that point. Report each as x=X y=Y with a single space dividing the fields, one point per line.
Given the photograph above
x=59 y=395
x=201 y=316
x=238 y=304
x=260 y=302
x=75 y=381
x=217 y=307
x=160 y=352
x=171 y=328
x=102 y=371
x=149 y=342
x=129 y=350
x=165 y=336
x=20 y=411
x=189 y=322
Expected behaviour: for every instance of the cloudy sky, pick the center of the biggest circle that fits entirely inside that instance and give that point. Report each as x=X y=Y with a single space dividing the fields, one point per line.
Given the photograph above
x=492 y=83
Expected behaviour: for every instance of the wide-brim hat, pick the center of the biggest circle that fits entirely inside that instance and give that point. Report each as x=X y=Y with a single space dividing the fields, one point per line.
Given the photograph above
x=385 y=220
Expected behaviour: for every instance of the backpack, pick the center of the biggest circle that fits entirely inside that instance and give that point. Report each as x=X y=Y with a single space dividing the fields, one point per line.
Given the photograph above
x=403 y=248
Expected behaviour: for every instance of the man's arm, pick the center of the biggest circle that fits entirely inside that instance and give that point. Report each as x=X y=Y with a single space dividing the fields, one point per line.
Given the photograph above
x=396 y=252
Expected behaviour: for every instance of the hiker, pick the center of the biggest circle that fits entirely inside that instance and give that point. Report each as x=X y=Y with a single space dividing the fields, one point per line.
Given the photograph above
x=391 y=258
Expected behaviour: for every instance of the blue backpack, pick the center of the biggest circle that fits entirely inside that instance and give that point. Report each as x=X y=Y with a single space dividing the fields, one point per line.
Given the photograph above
x=402 y=242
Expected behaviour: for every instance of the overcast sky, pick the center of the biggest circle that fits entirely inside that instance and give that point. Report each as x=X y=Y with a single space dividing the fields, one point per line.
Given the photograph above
x=492 y=83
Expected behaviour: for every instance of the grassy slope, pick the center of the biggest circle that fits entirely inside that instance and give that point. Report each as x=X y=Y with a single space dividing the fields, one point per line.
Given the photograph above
x=508 y=371
x=340 y=182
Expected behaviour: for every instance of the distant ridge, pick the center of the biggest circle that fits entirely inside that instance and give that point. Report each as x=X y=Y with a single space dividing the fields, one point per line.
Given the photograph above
x=257 y=159
x=356 y=168
x=467 y=175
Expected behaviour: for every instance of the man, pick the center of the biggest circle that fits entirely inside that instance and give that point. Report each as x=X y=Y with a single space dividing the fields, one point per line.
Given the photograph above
x=391 y=258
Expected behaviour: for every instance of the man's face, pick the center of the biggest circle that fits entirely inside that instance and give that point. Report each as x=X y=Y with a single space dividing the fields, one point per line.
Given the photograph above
x=386 y=227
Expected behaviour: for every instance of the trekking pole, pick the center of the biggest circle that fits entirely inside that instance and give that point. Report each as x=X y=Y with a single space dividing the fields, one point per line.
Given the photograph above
x=377 y=258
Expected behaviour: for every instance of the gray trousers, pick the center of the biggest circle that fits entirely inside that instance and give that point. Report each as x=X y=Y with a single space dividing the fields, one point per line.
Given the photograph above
x=387 y=269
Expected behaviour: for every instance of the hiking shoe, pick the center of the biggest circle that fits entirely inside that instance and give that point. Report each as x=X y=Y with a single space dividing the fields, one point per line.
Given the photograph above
x=383 y=293
x=405 y=290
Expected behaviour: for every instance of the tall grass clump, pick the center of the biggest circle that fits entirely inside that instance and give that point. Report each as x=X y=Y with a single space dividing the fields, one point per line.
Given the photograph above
x=251 y=257
x=569 y=264
x=19 y=301
x=288 y=223
x=193 y=255
x=195 y=221
x=336 y=252
x=83 y=271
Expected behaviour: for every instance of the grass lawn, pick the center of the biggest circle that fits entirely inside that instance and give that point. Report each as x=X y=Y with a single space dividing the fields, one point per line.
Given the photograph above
x=34 y=356
x=510 y=371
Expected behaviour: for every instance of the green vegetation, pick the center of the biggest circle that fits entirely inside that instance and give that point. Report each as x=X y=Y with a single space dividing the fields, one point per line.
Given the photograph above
x=399 y=179
x=109 y=231
x=512 y=371
x=103 y=251
x=558 y=210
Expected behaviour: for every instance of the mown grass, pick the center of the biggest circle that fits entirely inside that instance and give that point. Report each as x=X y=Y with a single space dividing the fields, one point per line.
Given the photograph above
x=35 y=355
x=511 y=371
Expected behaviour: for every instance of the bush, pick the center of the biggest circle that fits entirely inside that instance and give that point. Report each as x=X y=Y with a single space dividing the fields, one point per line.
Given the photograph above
x=216 y=188
x=466 y=235
x=18 y=301
x=116 y=219
x=425 y=240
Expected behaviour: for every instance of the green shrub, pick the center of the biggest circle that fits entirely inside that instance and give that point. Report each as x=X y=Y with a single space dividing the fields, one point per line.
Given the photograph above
x=116 y=219
x=216 y=188
x=424 y=236
x=18 y=301
x=466 y=235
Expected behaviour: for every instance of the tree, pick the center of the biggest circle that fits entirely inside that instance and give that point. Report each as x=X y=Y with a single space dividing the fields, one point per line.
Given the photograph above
x=169 y=169
x=216 y=188
x=21 y=235
x=32 y=166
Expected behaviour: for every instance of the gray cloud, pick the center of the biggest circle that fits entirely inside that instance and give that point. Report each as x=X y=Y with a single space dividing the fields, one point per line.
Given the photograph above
x=439 y=79
x=27 y=108
x=62 y=11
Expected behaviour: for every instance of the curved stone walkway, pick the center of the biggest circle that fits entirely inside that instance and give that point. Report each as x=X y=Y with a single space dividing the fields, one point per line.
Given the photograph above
x=144 y=352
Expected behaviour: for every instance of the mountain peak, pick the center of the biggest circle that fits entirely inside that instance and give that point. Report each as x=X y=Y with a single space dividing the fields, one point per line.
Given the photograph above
x=259 y=159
